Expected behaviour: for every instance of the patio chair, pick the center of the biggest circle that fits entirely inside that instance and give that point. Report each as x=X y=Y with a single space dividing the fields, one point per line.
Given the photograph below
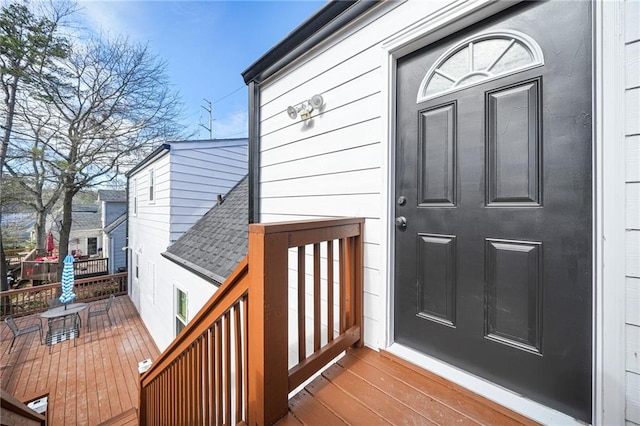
x=17 y=331
x=101 y=311
x=62 y=329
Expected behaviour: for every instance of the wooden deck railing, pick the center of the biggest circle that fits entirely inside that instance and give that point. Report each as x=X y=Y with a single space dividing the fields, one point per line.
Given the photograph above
x=30 y=300
x=230 y=364
x=16 y=413
x=90 y=267
x=32 y=270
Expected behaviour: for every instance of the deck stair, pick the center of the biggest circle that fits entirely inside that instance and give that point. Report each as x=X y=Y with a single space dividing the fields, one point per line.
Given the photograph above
x=127 y=418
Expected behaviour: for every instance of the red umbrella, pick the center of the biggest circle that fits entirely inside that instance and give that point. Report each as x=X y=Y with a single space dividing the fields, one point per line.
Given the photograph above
x=51 y=245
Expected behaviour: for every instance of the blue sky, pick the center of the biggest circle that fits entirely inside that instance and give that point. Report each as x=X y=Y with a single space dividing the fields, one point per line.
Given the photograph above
x=206 y=45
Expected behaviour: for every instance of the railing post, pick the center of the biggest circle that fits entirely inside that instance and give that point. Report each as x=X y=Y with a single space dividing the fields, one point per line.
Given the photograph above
x=354 y=283
x=268 y=325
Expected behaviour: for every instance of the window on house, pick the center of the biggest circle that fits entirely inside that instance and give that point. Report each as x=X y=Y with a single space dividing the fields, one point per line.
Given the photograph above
x=480 y=58
x=92 y=246
x=135 y=197
x=137 y=266
x=151 y=185
x=181 y=310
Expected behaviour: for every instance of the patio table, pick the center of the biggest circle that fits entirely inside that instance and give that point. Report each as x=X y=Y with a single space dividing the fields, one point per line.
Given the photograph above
x=59 y=329
x=60 y=311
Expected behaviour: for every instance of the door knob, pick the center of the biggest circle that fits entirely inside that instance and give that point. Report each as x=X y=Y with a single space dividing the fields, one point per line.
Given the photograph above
x=401 y=223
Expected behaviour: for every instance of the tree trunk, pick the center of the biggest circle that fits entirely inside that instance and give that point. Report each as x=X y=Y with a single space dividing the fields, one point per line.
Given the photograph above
x=65 y=229
x=41 y=230
x=10 y=102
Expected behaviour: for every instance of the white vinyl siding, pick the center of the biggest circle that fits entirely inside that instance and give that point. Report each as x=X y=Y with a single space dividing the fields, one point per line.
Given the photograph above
x=335 y=164
x=198 y=175
x=632 y=213
x=188 y=178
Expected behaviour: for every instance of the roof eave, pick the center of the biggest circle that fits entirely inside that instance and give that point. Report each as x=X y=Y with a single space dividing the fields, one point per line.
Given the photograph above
x=326 y=21
x=209 y=276
x=158 y=152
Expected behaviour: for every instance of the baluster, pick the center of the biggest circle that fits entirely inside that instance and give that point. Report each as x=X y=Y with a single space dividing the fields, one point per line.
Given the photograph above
x=330 y=319
x=302 y=350
x=316 y=298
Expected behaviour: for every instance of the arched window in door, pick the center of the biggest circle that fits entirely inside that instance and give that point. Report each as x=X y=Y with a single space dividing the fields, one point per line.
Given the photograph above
x=480 y=58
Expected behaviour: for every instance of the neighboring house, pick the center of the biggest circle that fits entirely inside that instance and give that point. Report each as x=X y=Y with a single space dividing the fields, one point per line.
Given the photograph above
x=99 y=230
x=169 y=191
x=493 y=149
x=85 y=237
x=202 y=258
x=113 y=208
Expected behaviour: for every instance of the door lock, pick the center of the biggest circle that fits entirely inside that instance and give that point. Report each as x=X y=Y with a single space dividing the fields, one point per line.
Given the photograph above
x=401 y=223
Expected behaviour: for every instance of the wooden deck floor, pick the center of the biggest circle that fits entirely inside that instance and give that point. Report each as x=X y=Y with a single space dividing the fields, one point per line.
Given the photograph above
x=96 y=382
x=87 y=384
x=370 y=388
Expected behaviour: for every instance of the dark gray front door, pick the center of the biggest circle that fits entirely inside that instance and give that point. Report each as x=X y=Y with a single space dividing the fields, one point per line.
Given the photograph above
x=493 y=242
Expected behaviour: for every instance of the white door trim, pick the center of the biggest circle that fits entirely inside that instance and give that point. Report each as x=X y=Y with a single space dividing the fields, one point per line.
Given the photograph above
x=608 y=196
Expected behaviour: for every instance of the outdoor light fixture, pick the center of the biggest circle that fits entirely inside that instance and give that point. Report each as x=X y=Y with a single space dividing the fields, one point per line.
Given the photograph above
x=305 y=108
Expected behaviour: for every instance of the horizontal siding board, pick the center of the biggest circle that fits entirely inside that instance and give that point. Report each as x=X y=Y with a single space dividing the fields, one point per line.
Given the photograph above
x=633 y=253
x=216 y=162
x=632 y=17
x=364 y=108
x=632 y=333
x=334 y=98
x=353 y=68
x=351 y=136
x=632 y=111
x=334 y=121
x=184 y=189
x=633 y=206
x=361 y=158
x=633 y=397
x=361 y=205
x=633 y=301
x=632 y=66
x=350 y=182
x=632 y=158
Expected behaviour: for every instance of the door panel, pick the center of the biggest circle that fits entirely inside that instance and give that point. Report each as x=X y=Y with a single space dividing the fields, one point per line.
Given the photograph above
x=493 y=270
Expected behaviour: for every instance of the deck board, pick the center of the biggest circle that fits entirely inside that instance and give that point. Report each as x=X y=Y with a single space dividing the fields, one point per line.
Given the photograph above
x=371 y=388
x=89 y=384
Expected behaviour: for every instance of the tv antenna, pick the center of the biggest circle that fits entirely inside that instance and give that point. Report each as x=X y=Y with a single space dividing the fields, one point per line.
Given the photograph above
x=208 y=107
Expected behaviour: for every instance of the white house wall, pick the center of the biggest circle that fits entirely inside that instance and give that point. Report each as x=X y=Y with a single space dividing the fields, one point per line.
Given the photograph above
x=148 y=237
x=188 y=179
x=78 y=239
x=632 y=222
x=337 y=164
x=199 y=175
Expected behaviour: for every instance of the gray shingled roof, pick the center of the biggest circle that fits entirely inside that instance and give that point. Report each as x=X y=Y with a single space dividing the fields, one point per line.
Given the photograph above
x=112 y=195
x=84 y=220
x=216 y=244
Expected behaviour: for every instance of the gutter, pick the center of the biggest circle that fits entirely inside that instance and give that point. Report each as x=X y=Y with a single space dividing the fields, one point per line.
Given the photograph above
x=209 y=276
x=158 y=152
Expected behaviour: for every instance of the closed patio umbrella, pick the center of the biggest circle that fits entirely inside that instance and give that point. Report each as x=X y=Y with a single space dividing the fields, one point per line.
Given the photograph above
x=67 y=295
x=51 y=245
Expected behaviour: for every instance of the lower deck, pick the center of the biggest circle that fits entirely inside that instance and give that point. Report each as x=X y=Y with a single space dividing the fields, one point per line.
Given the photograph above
x=89 y=383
